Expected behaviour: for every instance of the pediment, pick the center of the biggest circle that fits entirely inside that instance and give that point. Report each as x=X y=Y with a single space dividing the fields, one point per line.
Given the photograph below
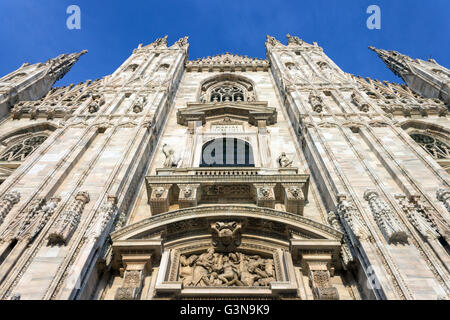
x=248 y=111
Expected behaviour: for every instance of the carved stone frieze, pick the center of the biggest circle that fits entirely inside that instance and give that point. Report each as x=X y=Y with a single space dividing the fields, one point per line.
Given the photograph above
x=221 y=62
x=233 y=269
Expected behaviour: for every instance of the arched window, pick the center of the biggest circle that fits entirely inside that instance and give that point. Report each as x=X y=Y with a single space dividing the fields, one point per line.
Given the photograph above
x=20 y=150
x=437 y=148
x=227 y=88
x=227 y=152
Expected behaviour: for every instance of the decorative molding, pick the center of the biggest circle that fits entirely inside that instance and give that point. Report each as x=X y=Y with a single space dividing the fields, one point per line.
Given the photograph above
x=227 y=62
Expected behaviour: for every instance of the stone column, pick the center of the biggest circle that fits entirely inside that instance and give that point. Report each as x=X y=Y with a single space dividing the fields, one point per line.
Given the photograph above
x=7 y=202
x=68 y=221
x=189 y=195
x=317 y=266
x=294 y=200
x=265 y=195
x=136 y=267
x=159 y=198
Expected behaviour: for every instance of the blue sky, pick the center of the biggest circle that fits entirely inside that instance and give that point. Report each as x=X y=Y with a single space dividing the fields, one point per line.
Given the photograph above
x=34 y=31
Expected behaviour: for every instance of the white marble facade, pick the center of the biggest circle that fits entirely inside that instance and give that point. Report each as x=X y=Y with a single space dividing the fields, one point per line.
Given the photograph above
x=103 y=194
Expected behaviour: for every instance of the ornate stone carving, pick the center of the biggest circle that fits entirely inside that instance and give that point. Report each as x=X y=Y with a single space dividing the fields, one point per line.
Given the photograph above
x=362 y=106
x=16 y=296
x=182 y=42
x=272 y=42
x=228 y=60
x=320 y=282
x=68 y=221
x=294 y=199
x=294 y=40
x=33 y=220
x=233 y=269
x=159 y=198
x=137 y=267
x=283 y=161
x=316 y=103
x=418 y=216
x=171 y=160
x=160 y=43
x=139 y=105
x=7 y=202
x=348 y=212
x=443 y=195
x=346 y=254
x=189 y=194
x=96 y=103
x=226 y=235
x=265 y=195
x=385 y=218
x=107 y=212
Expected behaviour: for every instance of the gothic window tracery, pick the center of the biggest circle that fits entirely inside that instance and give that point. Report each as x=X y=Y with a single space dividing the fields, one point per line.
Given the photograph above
x=227 y=88
x=436 y=148
x=227 y=93
x=22 y=149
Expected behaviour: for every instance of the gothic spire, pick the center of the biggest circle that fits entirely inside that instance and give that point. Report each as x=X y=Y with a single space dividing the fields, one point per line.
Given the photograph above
x=395 y=61
x=60 y=65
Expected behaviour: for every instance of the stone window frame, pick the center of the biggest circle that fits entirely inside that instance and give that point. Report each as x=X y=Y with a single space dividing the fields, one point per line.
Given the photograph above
x=434 y=131
x=20 y=137
x=242 y=86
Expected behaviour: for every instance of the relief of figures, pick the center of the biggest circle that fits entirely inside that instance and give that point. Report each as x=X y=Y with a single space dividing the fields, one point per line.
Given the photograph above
x=226 y=269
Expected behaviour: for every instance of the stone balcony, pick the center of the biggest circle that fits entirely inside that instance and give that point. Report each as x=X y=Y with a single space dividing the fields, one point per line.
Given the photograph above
x=177 y=188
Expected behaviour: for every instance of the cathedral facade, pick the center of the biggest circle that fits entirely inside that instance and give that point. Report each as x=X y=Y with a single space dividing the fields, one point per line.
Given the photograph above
x=225 y=177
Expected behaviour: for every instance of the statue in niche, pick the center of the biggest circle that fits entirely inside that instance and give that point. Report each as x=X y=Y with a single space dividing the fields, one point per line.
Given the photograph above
x=233 y=269
x=283 y=161
x=171 y=160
